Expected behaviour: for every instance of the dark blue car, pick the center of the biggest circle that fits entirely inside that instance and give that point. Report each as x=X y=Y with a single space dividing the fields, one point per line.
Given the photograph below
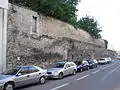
x=92 y=64
x=82 y=66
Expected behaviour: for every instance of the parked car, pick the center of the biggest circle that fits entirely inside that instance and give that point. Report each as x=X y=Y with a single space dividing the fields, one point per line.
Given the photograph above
x=92 y=64
x=118 y=57
x=82 y=66
x=102 y=61
x=109 y=60
x=22 y=75
x=96 y=62
x=62 y=69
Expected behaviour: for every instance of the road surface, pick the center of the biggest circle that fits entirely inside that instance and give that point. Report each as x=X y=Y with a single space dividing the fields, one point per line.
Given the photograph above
x=104 y=77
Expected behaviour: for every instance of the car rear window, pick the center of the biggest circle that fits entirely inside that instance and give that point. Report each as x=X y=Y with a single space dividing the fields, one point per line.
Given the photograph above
x=102 y=59
x=78 y=62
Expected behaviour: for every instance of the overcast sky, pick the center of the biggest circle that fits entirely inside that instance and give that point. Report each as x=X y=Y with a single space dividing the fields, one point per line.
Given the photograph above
x=107 y=12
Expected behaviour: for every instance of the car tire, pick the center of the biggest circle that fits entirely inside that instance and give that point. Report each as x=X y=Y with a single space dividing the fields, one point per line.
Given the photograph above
x=60 y=76
x=88 y=68
x=42 y=80
x=81 y=70
x=9 y=86
x=74 y=72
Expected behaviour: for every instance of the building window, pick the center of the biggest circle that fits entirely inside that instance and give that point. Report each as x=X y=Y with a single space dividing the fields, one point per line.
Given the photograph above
x=34 y=24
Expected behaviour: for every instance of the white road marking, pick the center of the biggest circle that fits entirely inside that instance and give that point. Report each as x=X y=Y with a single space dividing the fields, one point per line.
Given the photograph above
x=109 y=73
x=118 y=70
x=107 y=66
x=82 y=77
x=95 y=71
x=60 y=86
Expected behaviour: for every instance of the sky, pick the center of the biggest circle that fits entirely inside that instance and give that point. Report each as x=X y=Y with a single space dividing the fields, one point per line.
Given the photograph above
x=107 y=12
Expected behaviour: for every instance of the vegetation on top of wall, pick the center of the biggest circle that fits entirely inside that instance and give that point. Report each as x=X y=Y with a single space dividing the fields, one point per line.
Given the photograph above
x=90 y=25
x=64 y=10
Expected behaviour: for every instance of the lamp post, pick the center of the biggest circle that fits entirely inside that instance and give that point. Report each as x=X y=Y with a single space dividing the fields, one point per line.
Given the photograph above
x=3 y=33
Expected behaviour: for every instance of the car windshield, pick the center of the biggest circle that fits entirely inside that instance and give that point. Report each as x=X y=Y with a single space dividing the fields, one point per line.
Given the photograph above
x=90 y=61
x=78 y=62
x=59 y=65
x=12 y=71
x=102 y=59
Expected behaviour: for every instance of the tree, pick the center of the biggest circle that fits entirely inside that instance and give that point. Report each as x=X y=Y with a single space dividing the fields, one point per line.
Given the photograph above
x=90 y=25
x=64 y=10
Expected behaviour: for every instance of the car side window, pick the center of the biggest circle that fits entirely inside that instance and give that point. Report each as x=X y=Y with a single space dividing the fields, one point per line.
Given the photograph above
x=72 y=64
x=33 y=69
x=67 y=66
x=24 y=70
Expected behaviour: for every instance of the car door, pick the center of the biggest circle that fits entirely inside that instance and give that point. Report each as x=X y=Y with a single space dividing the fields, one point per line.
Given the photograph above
x=22 y=79
x=71 y=68
x=34 y=74
x=84 y=65
x=66 y=69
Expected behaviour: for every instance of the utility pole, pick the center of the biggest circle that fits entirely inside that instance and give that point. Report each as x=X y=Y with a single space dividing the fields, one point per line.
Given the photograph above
x=3 y=34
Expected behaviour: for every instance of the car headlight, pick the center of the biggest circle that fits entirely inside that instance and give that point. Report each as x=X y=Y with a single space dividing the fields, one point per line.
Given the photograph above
x=55 y=73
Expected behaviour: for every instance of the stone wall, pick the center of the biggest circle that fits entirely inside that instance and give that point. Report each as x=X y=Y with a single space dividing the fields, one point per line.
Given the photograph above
x=53 y=40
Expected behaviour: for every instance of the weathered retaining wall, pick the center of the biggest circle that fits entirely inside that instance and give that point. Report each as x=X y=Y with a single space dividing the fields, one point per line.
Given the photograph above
x=52 y=41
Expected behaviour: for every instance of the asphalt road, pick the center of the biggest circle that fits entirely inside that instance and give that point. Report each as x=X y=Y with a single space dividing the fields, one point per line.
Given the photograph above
x=105 y=77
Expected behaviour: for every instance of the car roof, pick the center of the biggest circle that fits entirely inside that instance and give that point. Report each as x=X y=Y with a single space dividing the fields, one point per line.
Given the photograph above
x=65 y=62
x=29 y=66
x=25 y=66
x=102 y=58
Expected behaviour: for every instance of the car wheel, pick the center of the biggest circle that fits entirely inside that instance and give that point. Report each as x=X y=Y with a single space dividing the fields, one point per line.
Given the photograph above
x=81 y=70
x=9 y=86
x=88 y=68
x=42 y=80
x=74 y=72
x=60 y=76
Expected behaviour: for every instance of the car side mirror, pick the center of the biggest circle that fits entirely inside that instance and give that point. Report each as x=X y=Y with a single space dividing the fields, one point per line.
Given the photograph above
x=19 y=74
x=65 y=68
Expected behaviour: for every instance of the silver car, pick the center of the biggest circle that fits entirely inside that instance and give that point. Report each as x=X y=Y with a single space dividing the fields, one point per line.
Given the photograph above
x=20 y=76
x=62 y=69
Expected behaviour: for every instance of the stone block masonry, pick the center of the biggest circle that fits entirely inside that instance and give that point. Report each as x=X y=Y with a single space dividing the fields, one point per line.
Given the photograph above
x=39 y=40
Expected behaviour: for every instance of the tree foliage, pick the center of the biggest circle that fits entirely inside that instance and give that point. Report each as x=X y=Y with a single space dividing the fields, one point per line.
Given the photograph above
x=90 y=25
x=64 y=10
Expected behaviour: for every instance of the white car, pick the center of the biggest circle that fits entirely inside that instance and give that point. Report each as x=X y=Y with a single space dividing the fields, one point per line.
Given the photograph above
x=108 y=60
x=95 y=61
x=103 y=61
